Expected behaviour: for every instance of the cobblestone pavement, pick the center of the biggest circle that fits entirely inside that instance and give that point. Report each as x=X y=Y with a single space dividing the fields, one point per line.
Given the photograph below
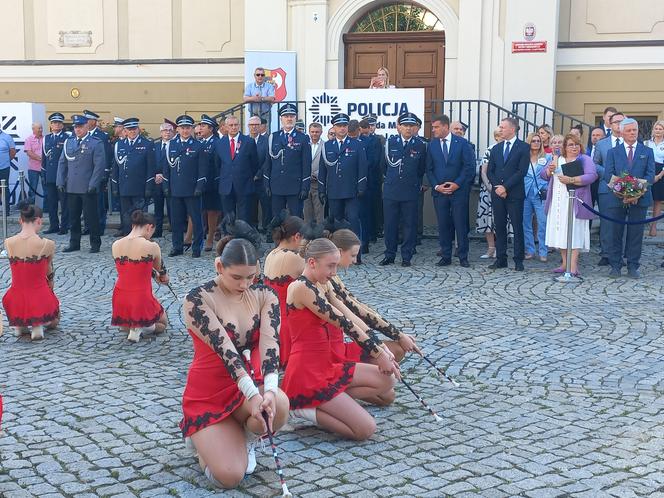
x=561 y=390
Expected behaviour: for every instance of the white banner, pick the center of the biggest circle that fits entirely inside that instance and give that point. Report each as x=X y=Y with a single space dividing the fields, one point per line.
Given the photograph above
x=280 y=71
x=16 y=119
x=386 y=104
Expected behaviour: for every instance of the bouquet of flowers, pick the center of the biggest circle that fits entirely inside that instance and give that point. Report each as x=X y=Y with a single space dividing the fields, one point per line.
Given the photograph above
x=627 y=187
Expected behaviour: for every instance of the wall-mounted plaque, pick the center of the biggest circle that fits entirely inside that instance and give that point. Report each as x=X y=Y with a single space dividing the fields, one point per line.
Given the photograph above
x=75 y=39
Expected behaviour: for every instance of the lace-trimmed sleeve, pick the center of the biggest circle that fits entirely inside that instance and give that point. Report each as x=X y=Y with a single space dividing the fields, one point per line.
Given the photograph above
x=269 y=331
x=201 y=319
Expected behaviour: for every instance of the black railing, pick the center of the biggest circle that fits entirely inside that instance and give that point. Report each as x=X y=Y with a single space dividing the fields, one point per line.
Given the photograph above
x=481 y=118
x=240 y=111
x=560 y=122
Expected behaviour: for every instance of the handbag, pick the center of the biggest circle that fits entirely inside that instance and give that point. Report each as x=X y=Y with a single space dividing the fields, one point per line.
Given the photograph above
x=541 y=192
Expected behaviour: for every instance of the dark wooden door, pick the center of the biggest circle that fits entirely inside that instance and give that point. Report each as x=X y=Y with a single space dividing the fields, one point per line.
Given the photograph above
x=415 y=60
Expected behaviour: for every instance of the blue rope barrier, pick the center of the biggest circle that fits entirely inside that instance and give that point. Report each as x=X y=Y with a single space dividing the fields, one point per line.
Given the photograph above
x=614 y=220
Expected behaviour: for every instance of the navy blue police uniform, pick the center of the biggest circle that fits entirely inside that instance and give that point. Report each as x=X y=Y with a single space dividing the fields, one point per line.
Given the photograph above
x=132 y=176
x=374 y=150
x=287 y=169
x=102 y=194
x=185 y=178
x=210 y=199
x=342 y=177
x=405 y=161
x=237 y=162
x=80 y=174
x=52 y=149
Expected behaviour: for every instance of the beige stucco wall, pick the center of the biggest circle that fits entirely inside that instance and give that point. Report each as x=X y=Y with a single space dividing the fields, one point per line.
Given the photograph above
x=584 y=94
x=124 y=29
x=611 y=20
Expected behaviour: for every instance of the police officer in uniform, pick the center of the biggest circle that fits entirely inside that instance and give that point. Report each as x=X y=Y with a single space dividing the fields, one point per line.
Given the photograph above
x=133 y=173
x=184 y=180
x=405 y=159
x=102 y=200
x=211 y=199
x=287 y=171
x=342 y=176
x=374 y=149
x=53 y=143
x=80 y=174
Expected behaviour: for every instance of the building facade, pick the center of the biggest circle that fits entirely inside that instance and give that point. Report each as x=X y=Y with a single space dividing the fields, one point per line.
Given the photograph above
x=161 y=58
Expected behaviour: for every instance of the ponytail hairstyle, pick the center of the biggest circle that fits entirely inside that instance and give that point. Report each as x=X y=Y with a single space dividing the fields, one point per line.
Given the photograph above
x=140 y=218
x=284 y=226
x=29 y=212
x=339 y=232
x=318 y=248
x=241 y=245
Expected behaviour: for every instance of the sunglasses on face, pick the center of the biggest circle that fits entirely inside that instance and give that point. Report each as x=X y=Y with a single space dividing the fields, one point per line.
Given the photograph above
x=260 y=74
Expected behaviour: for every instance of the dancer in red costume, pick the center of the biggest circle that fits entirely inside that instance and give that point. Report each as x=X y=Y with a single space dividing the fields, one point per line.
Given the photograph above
x=137 y=259
x=222 y=405
x=29 y=302
x=319 y=384
x=283 y=265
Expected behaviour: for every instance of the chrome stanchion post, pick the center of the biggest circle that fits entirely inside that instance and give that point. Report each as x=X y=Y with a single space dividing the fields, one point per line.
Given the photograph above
x=23 y=195
x=567 y=276
x=3 y=193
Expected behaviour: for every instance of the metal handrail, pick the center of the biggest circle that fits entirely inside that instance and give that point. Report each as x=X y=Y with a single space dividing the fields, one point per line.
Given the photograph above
x=480 y=117
x=560 y=122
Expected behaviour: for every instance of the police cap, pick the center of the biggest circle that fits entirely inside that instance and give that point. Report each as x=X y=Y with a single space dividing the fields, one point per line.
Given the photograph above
x=57 y=117
x=90 y=114
x=184 y=120
x=130 y=123
x=79 y=120
x=408 y=118
x=371 y=119
x=340 y=119
x=208 y=120
x=288 y=110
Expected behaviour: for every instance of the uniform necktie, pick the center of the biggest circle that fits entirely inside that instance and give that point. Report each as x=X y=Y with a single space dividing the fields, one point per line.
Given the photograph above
x=506 y=152
x=78 y=142
x=163 y=146
x=405 y=144
x=617 y=142
x=445 y=150
x=630 y=154
x=232 y=149
x=339 y=146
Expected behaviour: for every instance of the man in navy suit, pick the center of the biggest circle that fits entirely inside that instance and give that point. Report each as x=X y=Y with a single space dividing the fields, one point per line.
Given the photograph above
x=508 y=164
x=450 y=168
x=237 y=160
x=600 y=152
x=637 y=160
x=260 y=197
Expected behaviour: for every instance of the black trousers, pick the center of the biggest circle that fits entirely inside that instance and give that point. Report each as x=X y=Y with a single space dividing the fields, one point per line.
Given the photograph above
x=4 y=175
x=159 y=203
x=53 y=198
x=240 y=204
x=128 y=204
x=180 y=208
x=87 y=204
x=452 y=216
x=266 y=207
x=513 y=208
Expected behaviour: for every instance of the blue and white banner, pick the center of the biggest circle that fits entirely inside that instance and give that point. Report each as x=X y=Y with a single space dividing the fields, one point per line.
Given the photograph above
x=386 y=104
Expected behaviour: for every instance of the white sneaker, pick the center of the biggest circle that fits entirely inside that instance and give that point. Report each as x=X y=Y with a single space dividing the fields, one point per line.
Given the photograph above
x=134 y=335
x=149 y=329
x=251 y=457
x=37 y=333
x=305 y=413
x=20 y=331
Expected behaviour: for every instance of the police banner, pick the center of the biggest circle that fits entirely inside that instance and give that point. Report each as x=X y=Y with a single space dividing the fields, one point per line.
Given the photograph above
x=280 y=72
x=386 y=104
x=16 y=121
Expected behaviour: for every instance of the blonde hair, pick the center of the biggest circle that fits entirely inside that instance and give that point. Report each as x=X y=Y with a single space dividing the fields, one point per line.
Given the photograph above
x=387 y=73
x=571 y=137
x=318 y=248
x=345 y=239
x=659 y=122
x=529 y=138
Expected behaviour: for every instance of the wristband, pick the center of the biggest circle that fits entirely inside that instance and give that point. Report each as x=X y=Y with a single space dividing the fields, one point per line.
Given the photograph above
x=271 y=382
x=247 y=387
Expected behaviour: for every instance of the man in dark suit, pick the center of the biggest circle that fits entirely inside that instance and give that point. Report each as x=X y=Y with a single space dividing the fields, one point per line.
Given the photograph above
x=508 y=164
x=450 y=168
x=166 y=131
x=637 y=160
x=235 y=155
x=260 y=196
x=596 y=134
x=606 y=127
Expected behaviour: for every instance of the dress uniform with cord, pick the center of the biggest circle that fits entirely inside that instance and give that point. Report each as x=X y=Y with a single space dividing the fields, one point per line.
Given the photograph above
x=53 y=143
